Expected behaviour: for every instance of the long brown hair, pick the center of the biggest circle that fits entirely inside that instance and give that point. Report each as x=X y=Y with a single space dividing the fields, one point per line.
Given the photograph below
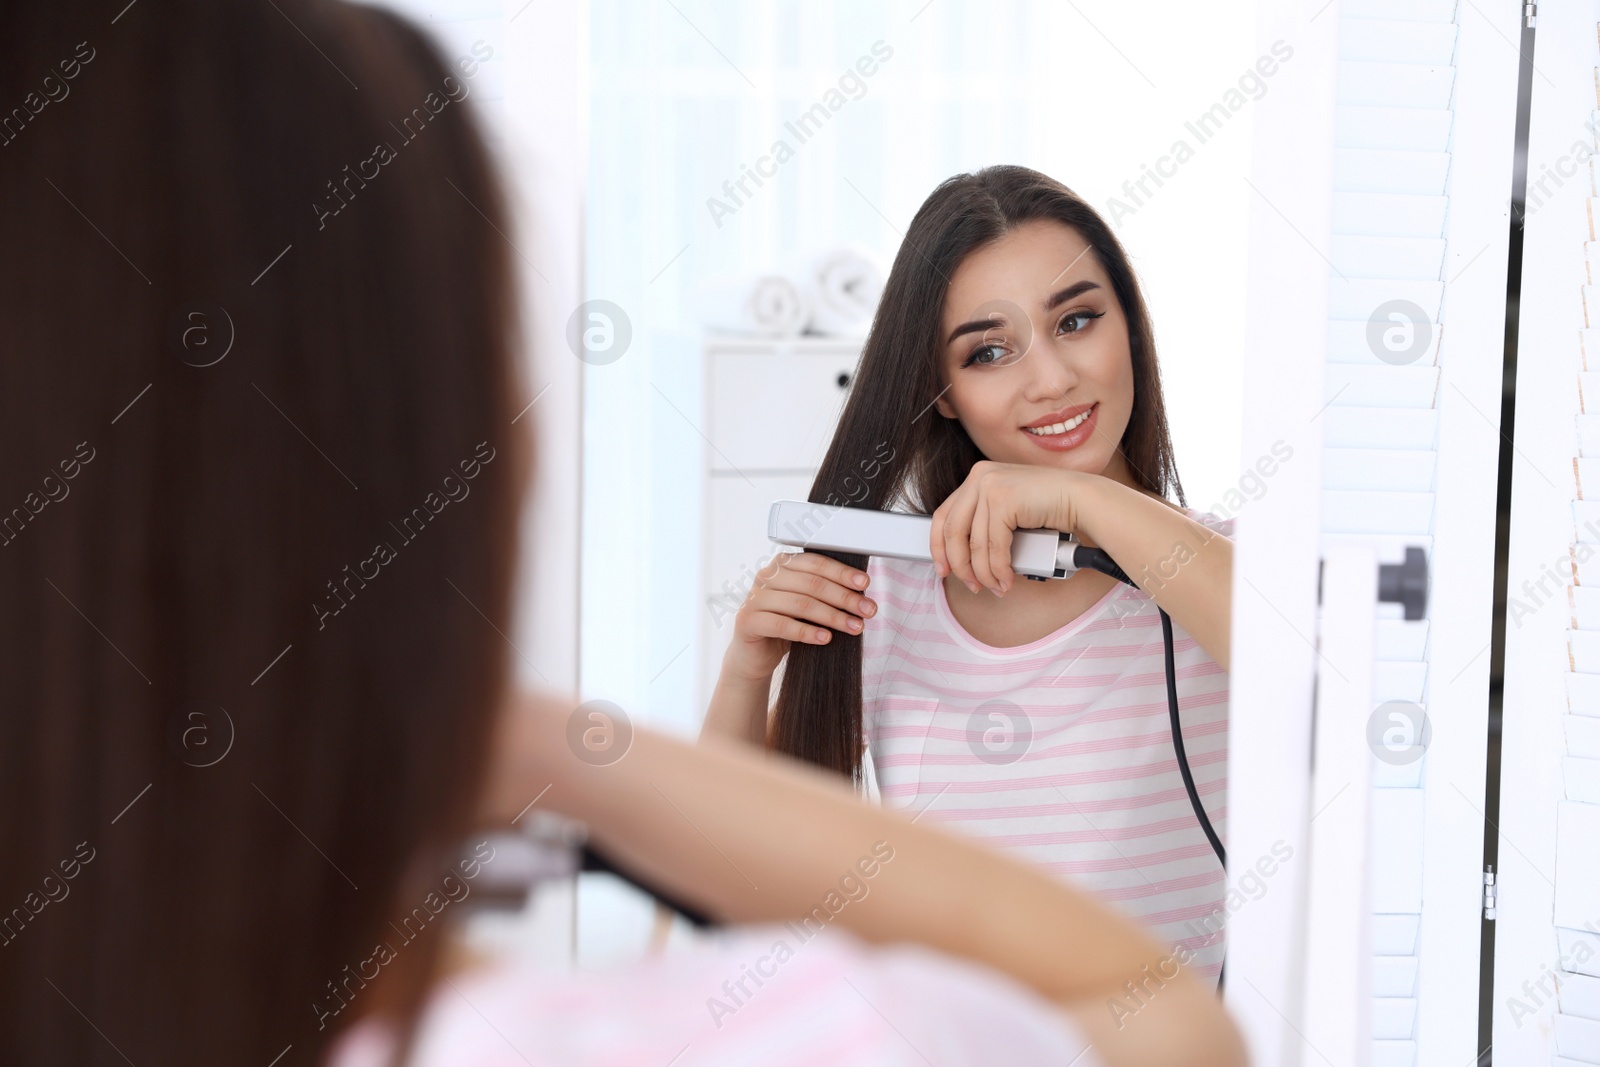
x=259 y=492
x=892 y=446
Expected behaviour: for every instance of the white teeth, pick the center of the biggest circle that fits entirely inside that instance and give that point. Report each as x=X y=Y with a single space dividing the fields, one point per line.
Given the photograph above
x=1060 y=427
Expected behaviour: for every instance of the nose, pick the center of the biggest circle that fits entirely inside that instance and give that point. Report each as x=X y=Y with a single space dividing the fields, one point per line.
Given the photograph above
x=1050 y=374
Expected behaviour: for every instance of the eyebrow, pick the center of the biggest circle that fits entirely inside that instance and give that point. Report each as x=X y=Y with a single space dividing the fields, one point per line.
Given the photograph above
x=1060 y=297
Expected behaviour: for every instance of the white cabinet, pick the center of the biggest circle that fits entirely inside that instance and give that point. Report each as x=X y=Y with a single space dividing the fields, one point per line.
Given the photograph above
x=770 y=411
x=772 y=406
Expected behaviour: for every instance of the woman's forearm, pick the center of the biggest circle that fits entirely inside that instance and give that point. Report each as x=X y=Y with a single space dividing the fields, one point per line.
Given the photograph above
x=754 y=837
x=738 y=710
x=1186 y=568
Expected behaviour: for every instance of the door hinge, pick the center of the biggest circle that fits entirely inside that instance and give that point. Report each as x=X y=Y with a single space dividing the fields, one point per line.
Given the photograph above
x=1528 y=10
x=1488 y=891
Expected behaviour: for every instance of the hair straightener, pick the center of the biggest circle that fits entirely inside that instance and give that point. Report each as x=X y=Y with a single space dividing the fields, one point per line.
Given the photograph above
x=1037 y=554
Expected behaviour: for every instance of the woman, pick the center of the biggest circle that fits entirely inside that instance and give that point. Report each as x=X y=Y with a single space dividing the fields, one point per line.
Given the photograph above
x=1010 y=382
x=260 y=428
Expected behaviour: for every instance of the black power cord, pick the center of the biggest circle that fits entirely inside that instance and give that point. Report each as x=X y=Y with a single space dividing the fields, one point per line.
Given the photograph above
x=1098 y=559
x=1177 y=744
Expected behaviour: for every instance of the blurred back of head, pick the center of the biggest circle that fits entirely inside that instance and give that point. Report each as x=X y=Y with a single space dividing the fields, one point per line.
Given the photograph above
x=257 y=513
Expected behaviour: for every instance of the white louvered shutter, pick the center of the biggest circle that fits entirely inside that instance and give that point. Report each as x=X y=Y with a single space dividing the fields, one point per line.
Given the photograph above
x=1547 y=949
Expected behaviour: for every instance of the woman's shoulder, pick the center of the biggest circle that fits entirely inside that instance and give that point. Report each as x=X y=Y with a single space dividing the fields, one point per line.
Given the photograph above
x=735 y=996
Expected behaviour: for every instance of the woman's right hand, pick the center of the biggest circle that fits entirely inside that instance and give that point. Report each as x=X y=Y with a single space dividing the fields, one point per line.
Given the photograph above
x=797 y=596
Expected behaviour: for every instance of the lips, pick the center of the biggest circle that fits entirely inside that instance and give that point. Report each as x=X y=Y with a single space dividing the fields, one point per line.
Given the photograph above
x=1058 y=416
x=1068 y=440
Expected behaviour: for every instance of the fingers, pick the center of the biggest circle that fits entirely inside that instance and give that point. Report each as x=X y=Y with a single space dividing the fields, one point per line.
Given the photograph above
x=971 y=538
x=816 y=564
x=978 y=544
x=798 y=592
x=951 y=536
x=1000 y=526
x=785 y=628
x=812 y=607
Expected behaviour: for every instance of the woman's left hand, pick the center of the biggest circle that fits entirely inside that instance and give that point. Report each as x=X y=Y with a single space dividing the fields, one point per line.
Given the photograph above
x=971 y=536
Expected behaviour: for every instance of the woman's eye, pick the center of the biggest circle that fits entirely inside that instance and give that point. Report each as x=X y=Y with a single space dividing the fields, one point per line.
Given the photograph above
x=998 y=351
x=1077 y=315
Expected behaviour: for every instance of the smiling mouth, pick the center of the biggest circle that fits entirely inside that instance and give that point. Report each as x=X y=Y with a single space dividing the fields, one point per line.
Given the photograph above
x=1061 y=427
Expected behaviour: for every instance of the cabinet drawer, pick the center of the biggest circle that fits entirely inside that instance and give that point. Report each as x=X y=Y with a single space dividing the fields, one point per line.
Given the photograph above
x=774 y=407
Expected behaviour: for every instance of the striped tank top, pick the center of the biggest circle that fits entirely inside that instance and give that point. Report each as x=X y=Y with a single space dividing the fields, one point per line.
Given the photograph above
x=1059 y=750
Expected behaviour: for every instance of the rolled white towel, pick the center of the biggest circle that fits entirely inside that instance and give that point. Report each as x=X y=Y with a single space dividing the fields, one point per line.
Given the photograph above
x=771 y=304
x=845 y=285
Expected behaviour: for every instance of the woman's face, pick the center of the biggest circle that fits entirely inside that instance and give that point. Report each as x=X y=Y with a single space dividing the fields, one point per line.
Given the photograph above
x=1032 y=338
